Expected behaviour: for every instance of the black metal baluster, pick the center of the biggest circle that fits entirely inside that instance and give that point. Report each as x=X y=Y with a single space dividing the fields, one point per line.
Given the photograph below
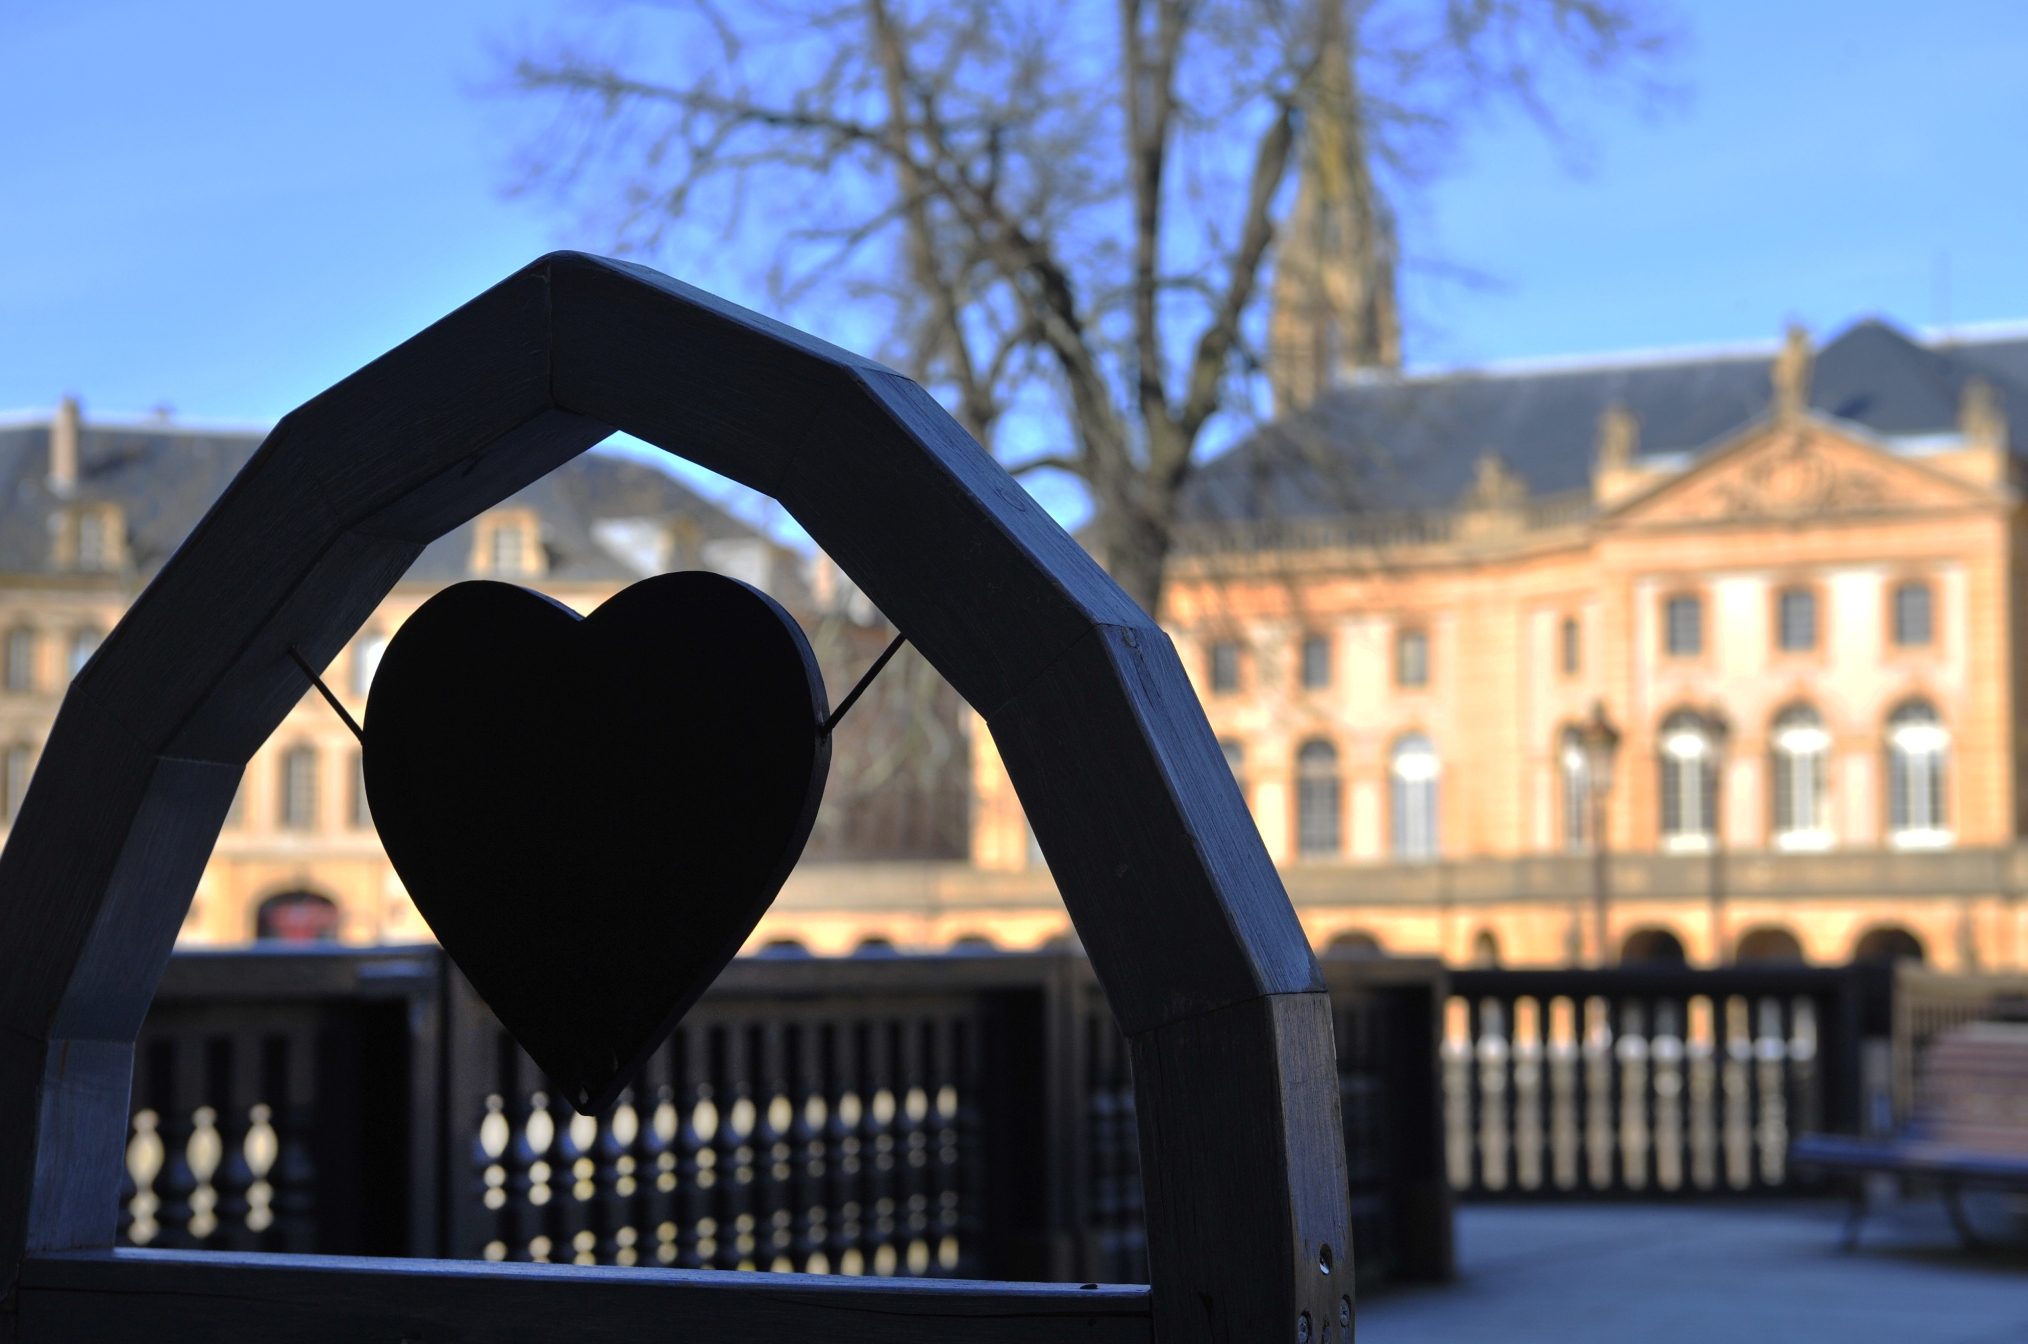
x=293 y=1176
x=225 y=1090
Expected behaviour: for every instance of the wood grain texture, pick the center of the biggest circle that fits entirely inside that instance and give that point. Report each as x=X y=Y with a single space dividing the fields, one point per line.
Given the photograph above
x=170 y=1297
x=1184 y=917
x=1245 y=1202
x=1160 y=865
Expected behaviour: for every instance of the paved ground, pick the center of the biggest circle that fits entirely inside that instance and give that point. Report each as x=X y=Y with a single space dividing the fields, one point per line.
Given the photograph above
x=1711 y=1274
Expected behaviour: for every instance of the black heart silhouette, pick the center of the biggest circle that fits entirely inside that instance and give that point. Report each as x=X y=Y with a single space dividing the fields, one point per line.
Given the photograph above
x=594 y=812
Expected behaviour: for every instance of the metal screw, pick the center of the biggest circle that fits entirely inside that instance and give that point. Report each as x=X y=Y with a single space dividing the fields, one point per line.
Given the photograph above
x=1303 y=1328
x=1345 y=1312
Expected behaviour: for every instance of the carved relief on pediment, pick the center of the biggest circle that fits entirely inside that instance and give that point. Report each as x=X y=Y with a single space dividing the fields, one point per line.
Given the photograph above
x=1795 y=475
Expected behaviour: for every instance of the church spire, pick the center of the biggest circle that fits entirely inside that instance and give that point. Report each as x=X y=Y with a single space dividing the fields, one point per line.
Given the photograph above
x=1334 y=296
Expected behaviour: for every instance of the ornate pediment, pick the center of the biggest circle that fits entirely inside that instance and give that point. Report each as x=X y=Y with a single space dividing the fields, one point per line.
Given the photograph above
x=1793 y=472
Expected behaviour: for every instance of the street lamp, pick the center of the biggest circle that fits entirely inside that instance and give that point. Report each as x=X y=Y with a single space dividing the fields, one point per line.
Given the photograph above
x=1600 y=741
x=1717 y=730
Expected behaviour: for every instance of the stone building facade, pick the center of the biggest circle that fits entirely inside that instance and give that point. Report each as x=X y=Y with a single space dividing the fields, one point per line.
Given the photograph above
x=1803 y=627
x=1790 y=580
x=89 y=511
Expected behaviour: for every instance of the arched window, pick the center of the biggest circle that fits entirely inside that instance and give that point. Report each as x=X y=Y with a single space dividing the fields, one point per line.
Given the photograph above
x=1888 y=942
x=1486 y=949
x=783 y=949
x=1802 y=751
x=874 y=945
x=297 y=917
x=1689 y=782
x=299 y=789
x=1918 y=752
x=1355 y=943
x=1653 y=947
x=1414 y=770
x=1769 y=943
x=1574 y=773
x=1317 y=803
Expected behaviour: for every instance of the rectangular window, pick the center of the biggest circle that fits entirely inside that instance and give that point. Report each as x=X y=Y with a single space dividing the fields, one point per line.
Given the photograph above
x=362 y=814
x=1224 y=667
x=1411 y=658
x=91 y=540
x=21 y=660
x=299 y=789
x=1316 y=663
x=1796 y=620
x=1573 y=647
x=1913 y=626
x=1683 y=626
x=1317 y=812
x=507 y=553
x=15 y=769
x=83 y=644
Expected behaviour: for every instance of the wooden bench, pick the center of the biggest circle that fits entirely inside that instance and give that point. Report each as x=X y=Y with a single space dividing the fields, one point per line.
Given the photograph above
x=1970 y=1131
x=1203 y=962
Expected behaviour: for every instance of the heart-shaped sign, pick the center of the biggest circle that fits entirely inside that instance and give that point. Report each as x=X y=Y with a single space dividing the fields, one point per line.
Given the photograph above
x=594 y=812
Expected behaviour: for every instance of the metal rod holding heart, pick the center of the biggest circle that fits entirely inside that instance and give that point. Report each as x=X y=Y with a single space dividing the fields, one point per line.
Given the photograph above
x=593 y=812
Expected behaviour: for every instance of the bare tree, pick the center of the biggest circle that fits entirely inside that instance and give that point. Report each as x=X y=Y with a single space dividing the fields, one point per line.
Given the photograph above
x=1063 y=213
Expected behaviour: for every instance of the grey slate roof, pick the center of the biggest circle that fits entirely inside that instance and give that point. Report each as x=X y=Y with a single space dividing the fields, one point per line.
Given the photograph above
x=165 y=476
x=1411 y=444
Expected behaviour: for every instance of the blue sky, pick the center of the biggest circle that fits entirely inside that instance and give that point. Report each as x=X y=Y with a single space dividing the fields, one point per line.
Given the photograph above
x=224 y=206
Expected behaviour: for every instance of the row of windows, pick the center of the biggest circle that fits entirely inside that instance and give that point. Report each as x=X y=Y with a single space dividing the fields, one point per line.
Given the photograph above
x=1913 y=625
x=18 y=658
x=1414 y=772
x=1918 y=758
x=297 y=800
x=1918 y=748
x=1314 y=671
x=1911 y=621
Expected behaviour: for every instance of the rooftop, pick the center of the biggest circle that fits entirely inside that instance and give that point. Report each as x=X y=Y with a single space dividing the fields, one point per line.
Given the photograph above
x=1411 y=444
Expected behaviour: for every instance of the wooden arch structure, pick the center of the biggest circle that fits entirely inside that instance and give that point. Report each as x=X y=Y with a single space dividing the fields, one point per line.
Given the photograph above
x=1178 y=905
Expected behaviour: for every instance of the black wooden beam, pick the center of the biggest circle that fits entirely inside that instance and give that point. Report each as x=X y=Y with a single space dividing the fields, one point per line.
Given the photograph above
x=200 y=1297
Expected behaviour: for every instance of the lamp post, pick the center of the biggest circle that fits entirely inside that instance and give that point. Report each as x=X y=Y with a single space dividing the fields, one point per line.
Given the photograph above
x=1717 y=732
x=1601 y=742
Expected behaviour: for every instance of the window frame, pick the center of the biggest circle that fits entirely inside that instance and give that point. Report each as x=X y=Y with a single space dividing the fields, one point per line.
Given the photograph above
x=29 y=639
x=1312 y=803
x=1415 y=802
x=1668 y=631
x=285 y=810
x=1936 y=778
x=1215 y=674
x=1931 y=616
x=1778 y=620
x=1810 y=791
x=1672 y=769
x=1315 y=642
x=1417 y=635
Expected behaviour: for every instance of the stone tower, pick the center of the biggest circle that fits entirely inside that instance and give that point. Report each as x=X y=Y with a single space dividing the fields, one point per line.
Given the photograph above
x=1334 y=291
